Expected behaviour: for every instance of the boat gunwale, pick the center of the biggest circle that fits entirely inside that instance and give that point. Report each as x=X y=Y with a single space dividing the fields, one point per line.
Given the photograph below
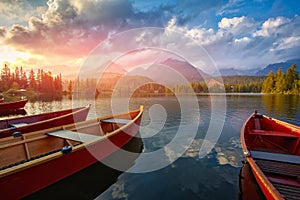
x=45 y=121
x=17 y=101
x=294 y=128
x=47 y=158
x=21 y=101
x=258 y=174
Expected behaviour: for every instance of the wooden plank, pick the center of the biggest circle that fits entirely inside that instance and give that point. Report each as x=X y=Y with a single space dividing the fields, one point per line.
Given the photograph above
x=276 y=157
x=272 y=133
x=286 y=169
x=289 y=192
x=116 y=120
x=18 y=125
x=26 y=147
x=75 y=136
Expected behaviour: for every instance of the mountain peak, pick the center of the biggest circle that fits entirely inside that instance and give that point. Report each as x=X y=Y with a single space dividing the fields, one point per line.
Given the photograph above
x=172 y=71
x=275 y=66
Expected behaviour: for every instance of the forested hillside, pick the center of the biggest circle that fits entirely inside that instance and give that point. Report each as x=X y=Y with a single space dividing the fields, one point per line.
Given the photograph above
x=39 y=81
x=282 y=83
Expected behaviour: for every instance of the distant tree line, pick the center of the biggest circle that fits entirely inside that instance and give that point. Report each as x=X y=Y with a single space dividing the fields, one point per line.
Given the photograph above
x=282 y=83
x=243 y=84
x=274 y=83
x=83 y=86
x=40 y=81
x=45 y=82
x=107 y=86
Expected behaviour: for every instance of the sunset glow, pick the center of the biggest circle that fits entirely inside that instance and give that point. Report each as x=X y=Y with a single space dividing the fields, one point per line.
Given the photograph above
x=63 y=33
x=12 y=57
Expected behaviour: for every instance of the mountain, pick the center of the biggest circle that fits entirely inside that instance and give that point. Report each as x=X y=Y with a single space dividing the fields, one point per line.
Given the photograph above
x=109 y=68
x=171 y=71
x=275 y=66
x=113 y=67
x=237 y=72
x=71 y=72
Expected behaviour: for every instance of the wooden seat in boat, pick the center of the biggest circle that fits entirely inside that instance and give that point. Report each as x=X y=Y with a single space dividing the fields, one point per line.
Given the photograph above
x=17 y=125
x=75 y=136
x=276 y=157
x=259 y=131
x=271 y=133
x=274 y=167
x=116 y=120
x=278 y=164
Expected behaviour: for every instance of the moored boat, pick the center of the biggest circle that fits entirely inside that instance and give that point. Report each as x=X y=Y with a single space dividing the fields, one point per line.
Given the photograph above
x=38 y=159
x=12 y=113
x=272 y=149
x=26 y=124
x=13 y=105
x=248 y=188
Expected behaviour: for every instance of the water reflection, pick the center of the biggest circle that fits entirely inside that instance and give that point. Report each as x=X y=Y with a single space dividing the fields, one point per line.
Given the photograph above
x=46 y=97
x=286 y=106
x=189 y=177
x=230 y=154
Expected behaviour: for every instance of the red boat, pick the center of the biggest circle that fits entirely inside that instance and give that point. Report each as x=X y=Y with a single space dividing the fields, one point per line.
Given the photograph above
x=39 y=159
x=272 y=149
x=12 y=113
x=248 y=188
x=32 y=123
x=13 y=105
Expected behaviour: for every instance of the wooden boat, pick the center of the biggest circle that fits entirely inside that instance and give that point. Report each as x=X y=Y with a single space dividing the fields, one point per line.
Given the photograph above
x=37 y=122
x=38 y=159
x=12 y=113
x=13 y=105
x=248 y=187
x=272 y=149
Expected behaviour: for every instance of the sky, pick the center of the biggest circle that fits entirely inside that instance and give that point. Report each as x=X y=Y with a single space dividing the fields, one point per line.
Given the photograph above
x=59 y=35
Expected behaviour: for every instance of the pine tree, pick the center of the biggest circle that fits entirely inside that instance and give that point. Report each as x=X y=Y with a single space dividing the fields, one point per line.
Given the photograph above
x=58 y=83
x=32 y=82
x=280 y=84
x=17 y=75
x=24 y=80
x=70 y=87
x=269 y=83
x=6 y=78
x=291 y=77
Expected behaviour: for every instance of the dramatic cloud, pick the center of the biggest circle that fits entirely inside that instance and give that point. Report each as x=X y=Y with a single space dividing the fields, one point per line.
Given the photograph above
x=2 y=32
x=231 y=31
x=74 y=28
x=238 y=40
x=271 y=26
x=19 y=11
x=237 y=25
x=243 y=40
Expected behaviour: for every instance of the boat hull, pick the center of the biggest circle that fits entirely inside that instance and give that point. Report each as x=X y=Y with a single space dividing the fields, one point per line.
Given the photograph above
x=10 y=113
x=43 y=121
x=43 y=174
x=13 y=105
x=249 y=189
x=92 y=180
x=268 y=146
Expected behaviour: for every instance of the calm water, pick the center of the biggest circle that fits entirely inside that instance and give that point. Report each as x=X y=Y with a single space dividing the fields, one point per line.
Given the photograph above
x=168 y=119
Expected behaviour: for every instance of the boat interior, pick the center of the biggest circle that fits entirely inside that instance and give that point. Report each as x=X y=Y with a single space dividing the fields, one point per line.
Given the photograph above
x=21 y=148
x=267 y=134
x=275 y=148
